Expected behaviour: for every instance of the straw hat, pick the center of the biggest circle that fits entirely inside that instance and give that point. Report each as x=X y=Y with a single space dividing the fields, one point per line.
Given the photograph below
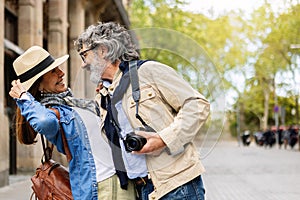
x=34 y=63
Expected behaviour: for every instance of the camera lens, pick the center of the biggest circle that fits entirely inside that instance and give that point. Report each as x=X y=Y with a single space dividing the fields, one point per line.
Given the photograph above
x=134 y=142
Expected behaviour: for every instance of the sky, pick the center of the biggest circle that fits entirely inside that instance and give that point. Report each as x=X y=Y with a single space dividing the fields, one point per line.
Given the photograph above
x=219 y=6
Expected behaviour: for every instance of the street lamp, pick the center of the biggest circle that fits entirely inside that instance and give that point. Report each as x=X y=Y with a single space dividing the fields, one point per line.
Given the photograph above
x=293 y=112
x=296 y=46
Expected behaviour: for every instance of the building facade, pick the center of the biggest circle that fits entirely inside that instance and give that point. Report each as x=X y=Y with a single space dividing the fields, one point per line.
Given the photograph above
x=53 y=24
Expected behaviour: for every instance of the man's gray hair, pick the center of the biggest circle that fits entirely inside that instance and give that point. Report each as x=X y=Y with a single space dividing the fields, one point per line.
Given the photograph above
x=112 y=36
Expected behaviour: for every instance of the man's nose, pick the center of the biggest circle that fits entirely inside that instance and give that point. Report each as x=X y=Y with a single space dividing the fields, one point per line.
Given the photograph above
x=85 y=66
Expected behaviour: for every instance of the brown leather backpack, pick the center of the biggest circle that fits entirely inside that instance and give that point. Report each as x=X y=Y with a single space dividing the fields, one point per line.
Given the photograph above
x=51 y=180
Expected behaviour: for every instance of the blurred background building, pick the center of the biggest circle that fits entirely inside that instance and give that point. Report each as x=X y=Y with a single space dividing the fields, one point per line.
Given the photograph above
x=53 y=24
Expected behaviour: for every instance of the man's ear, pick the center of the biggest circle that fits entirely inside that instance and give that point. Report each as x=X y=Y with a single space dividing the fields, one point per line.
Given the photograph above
x=103 y=50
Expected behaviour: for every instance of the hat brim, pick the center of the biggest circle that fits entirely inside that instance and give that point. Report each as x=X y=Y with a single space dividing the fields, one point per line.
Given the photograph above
x=27 y=84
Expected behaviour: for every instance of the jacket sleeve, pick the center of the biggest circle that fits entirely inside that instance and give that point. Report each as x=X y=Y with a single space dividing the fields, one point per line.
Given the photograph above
x=42 y=120
x=191 y=107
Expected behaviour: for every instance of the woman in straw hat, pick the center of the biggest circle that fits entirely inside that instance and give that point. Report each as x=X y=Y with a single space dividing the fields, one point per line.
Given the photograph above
x=40 y=85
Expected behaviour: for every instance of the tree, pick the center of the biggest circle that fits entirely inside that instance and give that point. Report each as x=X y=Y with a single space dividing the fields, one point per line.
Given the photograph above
x=228 y=54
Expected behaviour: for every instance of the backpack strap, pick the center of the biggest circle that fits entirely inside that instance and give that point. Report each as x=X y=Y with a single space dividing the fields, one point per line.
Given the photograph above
x=48 y=150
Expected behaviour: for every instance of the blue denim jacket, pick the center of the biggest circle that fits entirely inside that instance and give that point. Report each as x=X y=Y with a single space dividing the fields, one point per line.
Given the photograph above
x=82 y=166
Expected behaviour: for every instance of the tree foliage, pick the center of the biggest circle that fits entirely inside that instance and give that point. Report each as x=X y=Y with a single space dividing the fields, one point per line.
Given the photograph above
x=249 y=58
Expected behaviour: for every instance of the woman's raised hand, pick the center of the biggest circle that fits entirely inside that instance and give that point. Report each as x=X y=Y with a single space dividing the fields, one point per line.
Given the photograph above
x=17 y=89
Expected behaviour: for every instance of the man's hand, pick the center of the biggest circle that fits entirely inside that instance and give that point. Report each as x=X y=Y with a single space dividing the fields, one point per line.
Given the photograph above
x=99 y=86
x=154 y=143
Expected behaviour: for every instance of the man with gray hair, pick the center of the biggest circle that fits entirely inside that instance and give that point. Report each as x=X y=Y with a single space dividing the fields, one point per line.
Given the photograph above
x=152 y=105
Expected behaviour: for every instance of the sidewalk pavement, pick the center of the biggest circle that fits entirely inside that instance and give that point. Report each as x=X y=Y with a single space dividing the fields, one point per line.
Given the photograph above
x=233 y=172
x=18 y=189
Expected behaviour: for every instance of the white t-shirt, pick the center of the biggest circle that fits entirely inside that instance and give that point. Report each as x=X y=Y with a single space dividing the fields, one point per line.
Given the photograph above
x=135 y=164
x=100 y=148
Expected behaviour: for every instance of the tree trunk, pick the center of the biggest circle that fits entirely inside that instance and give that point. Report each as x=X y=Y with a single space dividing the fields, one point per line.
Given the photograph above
x=266 y=109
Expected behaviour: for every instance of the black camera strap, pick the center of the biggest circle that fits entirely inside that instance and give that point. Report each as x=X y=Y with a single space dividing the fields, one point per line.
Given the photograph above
x=136 y=95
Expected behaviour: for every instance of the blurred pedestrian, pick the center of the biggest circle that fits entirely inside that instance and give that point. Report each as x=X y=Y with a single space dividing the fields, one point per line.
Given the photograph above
x=280 y=133
x=269 y=138
x=293 y=136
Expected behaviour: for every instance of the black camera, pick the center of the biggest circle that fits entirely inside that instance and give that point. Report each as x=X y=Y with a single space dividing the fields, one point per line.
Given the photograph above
x=134 y=142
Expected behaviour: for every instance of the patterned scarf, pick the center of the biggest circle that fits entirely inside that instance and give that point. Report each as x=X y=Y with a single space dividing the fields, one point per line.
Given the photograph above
x=66 y=98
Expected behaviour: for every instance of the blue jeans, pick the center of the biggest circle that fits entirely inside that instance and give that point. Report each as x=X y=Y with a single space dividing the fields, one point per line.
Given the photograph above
x=144 y=190
x=192 y=190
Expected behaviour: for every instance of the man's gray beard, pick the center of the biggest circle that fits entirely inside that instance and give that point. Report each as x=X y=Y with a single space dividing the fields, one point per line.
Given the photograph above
x=95 y=79
x=96 y=71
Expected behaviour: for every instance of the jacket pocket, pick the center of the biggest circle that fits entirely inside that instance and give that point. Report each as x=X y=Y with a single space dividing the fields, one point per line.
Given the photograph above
x=153 y=110
x=147 y=93
x=150 y=107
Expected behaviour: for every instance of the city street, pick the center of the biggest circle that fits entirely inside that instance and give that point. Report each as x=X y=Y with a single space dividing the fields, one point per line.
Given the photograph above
x=233 y=172
x=251 y=173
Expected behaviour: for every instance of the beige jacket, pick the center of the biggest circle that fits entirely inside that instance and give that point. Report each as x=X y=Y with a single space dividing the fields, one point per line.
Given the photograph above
x=176 y=111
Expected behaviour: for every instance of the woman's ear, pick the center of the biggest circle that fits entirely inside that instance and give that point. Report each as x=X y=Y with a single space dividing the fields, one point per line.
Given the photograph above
x=40 y=88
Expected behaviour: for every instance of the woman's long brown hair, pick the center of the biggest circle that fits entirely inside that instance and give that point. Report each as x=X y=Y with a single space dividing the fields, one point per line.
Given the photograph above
x=25 y=133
